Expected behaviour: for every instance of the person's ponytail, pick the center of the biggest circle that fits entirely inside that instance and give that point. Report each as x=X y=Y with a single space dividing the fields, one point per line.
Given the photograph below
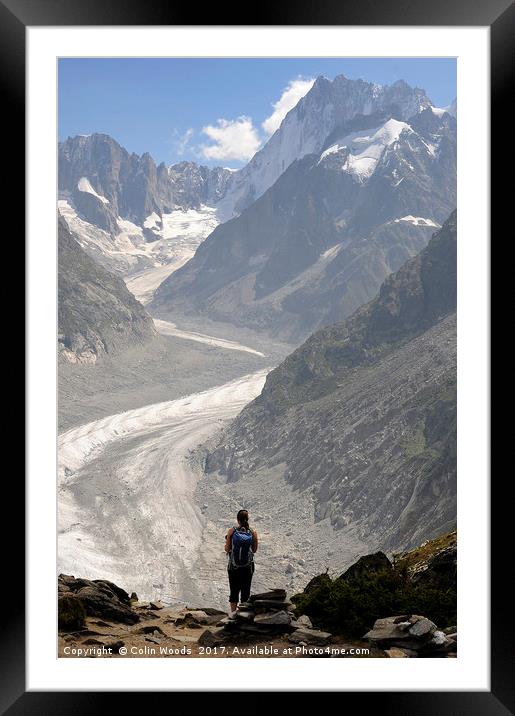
x=243 y=519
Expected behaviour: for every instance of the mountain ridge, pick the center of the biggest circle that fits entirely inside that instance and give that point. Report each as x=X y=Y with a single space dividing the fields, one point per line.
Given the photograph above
x=319 y=242
x=363 y=414
x=97 y=315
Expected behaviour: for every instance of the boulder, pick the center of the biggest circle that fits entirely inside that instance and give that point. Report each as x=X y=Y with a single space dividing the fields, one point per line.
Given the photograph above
x=413 y=633
x=367 y=565
x=387 y=629
x=273 y=594
x=271 y=604
x=396 y=653
x=305 y=621
x=196 y=620
x=70 y=613
x=439 y=644
x=197 y=615
x=111 y=588
x=310 y=636
x=213 y=637
x=99 y=604
x=274 y=618
x=150 y=629
x=421 y=627
x=99 y=598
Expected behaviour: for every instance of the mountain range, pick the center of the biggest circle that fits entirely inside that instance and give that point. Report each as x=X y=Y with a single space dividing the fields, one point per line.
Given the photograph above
x=363 y=414
x=106 y=183
x=363 y=194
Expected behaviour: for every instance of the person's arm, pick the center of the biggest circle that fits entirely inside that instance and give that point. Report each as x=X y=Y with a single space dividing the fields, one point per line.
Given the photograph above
x=228 y=538
x=254 y=541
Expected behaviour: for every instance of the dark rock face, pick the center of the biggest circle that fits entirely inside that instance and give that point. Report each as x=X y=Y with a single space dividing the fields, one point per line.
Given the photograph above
x=98 y=597
x=70 y=613
x=96 y=312
x=133 y=187
x=194 y=184
x=434 y=564
x=441 y=570
x=321 y=240
x=95 y=211
x=316 y=582
x=368 y=564
x=364 y=413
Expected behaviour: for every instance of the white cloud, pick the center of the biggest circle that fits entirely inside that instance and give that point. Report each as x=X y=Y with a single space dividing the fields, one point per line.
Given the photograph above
x=289 y=98
x=182 y=142
x=235 y=139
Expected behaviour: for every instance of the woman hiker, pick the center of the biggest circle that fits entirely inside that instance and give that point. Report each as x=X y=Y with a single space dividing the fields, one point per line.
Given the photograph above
x=241 y=543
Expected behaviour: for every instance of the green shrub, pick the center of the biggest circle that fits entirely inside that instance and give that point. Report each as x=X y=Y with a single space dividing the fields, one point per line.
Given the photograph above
x=350 y=607
x=70 y=613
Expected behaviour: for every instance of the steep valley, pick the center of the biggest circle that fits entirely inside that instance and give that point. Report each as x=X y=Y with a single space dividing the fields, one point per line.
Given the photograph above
x=280 y=338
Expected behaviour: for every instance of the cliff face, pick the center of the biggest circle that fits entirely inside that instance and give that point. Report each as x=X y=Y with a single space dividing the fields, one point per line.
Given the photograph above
x=106 y=182
x=363 y=415
x=97 y=315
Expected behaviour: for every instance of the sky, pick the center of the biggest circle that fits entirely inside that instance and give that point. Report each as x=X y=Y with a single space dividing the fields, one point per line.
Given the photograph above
x=215 y=111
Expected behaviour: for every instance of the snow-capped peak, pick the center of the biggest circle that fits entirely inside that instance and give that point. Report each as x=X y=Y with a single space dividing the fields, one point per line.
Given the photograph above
x=304 y=130
x=362 y=150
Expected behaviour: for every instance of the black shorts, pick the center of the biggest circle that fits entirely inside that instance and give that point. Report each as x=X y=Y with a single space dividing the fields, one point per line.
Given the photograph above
x=240 y=579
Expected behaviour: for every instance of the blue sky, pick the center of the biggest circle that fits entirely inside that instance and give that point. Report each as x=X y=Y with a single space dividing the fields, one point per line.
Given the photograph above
x=215 y=111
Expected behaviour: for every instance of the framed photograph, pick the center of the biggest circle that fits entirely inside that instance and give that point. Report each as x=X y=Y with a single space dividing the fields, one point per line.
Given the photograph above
x=257 y=272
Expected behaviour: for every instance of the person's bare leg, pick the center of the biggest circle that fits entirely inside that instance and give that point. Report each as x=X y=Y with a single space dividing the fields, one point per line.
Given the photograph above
x=233 y=605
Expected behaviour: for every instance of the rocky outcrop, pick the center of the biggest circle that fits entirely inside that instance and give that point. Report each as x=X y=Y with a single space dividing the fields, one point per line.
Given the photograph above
x=377 y=588
x=411 y=635
x=363 y=414
x=194 y=184
x=367 y=565
x=433 y=564
x=97 y=315
x=98 y=598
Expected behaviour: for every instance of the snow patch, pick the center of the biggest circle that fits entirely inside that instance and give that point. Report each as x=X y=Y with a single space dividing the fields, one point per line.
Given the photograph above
x=152 y=221
x=364 y=149
x=85 y=185
x=417 y=221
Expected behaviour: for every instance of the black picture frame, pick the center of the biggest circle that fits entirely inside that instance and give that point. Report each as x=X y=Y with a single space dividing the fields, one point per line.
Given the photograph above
x=499 y=16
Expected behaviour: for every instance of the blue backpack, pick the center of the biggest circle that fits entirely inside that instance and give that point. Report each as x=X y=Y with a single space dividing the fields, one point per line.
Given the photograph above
x=241 y=553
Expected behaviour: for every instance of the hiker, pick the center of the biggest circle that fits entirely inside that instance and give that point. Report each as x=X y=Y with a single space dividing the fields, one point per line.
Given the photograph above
x=240 y=544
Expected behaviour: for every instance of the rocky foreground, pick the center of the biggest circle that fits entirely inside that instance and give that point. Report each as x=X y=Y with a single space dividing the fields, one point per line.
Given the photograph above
x=99 y=619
